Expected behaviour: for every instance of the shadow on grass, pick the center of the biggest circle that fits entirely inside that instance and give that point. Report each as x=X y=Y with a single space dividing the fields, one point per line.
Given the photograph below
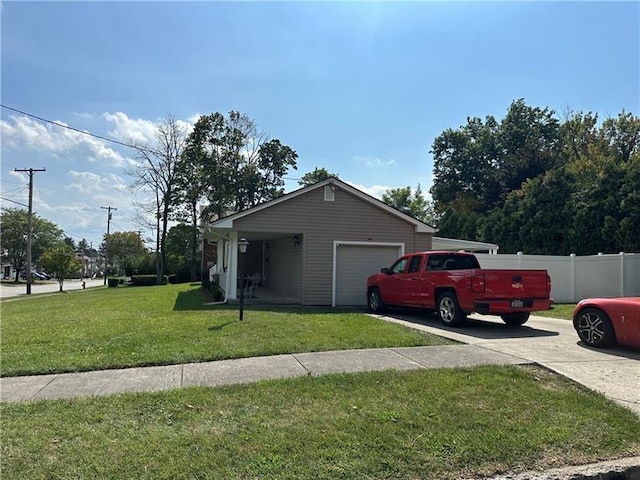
x=217 y=328
x=200 y=299
x=193 y=300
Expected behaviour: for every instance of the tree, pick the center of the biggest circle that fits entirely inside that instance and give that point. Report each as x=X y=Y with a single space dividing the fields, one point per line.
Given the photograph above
x=189 y=185
x=13 y=232
x=240 y=166
x=316 y=176
x=123 y=245
x=83 y=245
x=60 y=262
x=411 y=203
x=179 y=260
x=156 y=174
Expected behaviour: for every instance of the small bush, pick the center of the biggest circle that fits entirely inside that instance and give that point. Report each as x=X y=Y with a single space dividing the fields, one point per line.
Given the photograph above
x=216 y=293
x=172 y=278
x=146 y=280
x=113 y=282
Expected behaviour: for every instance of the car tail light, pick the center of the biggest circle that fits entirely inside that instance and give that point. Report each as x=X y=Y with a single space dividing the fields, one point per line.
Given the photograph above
x=548 y=285
x=477 y=284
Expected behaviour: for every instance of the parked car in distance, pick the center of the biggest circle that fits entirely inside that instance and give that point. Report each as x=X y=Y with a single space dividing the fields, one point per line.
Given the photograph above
x=34 y=275
x=453 y=284
x=605 y=322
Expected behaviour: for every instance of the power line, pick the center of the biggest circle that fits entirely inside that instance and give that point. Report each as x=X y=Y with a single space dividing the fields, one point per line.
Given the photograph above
x=83 y=132
x=12 y=201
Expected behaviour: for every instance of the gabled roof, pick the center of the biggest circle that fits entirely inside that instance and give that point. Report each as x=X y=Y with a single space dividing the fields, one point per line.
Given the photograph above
x=420 y=227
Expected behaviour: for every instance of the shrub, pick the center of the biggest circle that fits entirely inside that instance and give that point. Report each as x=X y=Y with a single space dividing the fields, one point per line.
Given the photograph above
x=146 y=280
x=216 y=293
x=113 y=282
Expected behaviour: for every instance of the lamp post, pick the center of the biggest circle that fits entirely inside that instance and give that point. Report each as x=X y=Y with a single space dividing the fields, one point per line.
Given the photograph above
x=242 y=248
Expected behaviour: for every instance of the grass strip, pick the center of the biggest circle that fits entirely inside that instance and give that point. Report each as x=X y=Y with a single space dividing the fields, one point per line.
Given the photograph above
x=432 y=424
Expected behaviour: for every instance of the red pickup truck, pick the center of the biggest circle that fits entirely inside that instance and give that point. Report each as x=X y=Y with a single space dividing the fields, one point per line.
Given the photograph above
x=454 y=285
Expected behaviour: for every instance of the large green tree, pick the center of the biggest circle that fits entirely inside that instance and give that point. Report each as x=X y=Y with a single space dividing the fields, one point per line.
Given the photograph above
x=13 y=235
x=412 y=203
x=179 y=247
x=122 y=246
x=240 y=166
x=60 y=262
x=534 y=183
x=317 y=175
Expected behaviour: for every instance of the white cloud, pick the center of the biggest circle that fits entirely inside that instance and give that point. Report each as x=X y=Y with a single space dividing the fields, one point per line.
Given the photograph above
x=91 y=183
x=375 y=190
x=23 y=132
x=373 y=162
x=138 y=130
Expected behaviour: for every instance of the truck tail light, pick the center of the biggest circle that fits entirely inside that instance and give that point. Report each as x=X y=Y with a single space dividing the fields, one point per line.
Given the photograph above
x=477 y=284
x=548 y=285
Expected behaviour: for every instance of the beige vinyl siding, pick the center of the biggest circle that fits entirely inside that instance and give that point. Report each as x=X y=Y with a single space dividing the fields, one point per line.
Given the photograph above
x=347 y=218
x=285 y=267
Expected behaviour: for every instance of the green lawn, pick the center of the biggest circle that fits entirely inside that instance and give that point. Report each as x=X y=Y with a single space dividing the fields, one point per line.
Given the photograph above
x=432 y=424
x=560 y=310
x=122 y=327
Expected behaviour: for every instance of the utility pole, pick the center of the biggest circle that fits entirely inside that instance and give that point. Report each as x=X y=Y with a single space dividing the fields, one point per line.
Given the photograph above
x=29 y=227
x=105 y=241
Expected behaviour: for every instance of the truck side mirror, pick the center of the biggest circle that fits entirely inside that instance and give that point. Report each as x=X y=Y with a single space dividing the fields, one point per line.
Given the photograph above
x=385 y=270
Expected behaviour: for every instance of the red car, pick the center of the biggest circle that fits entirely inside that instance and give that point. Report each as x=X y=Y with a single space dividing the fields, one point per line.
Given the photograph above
x=603 y=322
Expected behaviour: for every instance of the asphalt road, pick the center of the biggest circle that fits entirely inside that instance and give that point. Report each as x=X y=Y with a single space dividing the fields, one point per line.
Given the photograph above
x=15 y=290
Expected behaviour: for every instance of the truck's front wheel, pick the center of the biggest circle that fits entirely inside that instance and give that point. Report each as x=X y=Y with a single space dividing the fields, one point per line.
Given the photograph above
x=375 y=302
x=449 y=310
x=517 y=318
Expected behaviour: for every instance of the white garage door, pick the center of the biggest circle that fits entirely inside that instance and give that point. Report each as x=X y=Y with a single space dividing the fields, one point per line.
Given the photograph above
x=354 y=263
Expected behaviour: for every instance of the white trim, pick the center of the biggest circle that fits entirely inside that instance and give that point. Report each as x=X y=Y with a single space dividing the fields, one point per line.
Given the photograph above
x=337 y=243
x=440 y=243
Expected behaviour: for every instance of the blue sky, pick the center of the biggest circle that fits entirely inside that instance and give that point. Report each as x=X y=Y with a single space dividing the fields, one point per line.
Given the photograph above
x=361 y=89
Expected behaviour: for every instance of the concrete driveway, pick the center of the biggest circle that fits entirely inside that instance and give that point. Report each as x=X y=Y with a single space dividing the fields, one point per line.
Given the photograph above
x=548 y=342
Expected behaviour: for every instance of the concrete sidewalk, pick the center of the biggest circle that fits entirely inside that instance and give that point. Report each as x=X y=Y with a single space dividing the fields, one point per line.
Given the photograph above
x=245 y=370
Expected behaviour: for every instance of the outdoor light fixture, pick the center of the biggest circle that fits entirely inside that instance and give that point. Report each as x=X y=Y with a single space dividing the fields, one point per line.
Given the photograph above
x=296 y=240
x=333 y=186
x=242 y=248
x=242 y=245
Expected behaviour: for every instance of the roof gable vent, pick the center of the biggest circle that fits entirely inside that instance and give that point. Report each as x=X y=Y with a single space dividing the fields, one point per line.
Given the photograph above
x=329 y=193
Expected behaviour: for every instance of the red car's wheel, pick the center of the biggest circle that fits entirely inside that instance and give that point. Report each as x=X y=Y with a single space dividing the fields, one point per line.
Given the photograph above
x=516 y=318
x=374 y=301
x=449 y=310
x=594 y=328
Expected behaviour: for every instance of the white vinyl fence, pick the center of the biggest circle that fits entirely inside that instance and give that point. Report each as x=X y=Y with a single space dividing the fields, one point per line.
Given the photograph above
x=574 y=278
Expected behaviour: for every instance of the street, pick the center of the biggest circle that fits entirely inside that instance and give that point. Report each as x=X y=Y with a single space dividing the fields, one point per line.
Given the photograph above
x=8 y=290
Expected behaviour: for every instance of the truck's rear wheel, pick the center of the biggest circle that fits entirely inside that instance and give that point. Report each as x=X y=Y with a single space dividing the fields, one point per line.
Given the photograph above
x=516 y=318
x=374 y=300
x=449 y=310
